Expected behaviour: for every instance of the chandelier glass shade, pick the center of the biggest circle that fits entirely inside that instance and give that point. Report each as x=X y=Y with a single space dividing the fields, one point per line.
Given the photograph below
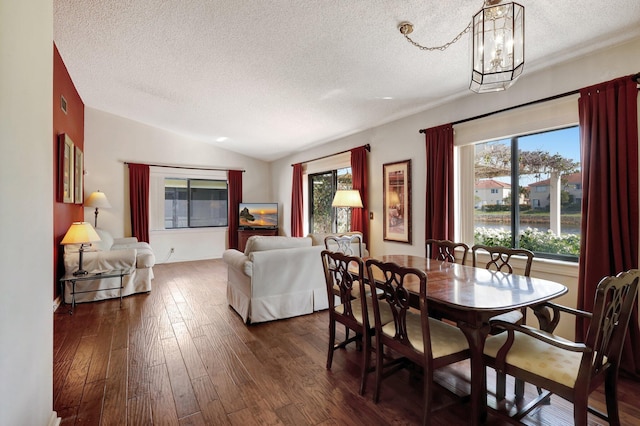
x=498 y=46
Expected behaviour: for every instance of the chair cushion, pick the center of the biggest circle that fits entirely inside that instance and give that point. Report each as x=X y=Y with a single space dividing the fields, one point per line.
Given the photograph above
x=446 y=339
x=106 y=240
x=356 y=307
x=512 y=316
x=538 y=357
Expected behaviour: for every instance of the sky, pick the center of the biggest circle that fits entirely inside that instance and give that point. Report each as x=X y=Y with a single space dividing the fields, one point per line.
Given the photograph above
x=565 y=142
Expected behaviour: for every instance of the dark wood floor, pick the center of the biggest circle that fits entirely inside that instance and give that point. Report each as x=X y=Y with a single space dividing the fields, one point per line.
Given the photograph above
x=181 y=356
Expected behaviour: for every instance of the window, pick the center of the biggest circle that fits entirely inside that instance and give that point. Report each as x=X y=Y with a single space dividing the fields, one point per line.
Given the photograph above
x=322 y=187
x=541 y=211
x=194 y=203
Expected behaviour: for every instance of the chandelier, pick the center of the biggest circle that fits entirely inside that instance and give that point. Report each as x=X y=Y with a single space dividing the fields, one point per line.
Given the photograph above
x=497 y=45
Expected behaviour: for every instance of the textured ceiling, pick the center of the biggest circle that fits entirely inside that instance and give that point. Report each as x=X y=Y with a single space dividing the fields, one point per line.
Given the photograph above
x=279 y=76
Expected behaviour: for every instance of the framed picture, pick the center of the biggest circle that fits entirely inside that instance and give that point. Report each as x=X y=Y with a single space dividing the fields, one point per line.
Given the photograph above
x=65 y=158
x=78 y=168
x=396 y=197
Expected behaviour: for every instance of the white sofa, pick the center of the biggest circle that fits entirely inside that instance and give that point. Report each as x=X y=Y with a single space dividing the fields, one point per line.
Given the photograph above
x=106 y=254
x=276 y=277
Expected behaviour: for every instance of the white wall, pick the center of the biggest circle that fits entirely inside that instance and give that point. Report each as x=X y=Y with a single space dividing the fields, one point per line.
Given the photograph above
x=400 y=140
x=111 y=140
x=26 y=209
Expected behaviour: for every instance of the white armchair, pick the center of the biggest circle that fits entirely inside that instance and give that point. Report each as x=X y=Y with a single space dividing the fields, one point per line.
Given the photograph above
x=108 y=254
x=276 y=277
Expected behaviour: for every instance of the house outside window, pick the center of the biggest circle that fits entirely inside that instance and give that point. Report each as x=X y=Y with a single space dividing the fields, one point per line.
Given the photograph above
x=545 y=215
x=195 y=203
x=323 y=218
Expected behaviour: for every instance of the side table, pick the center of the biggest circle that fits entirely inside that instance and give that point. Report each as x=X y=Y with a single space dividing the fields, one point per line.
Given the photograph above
x=73 y=279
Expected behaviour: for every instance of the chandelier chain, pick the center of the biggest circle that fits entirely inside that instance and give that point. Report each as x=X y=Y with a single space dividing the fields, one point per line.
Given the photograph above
x=441 y=48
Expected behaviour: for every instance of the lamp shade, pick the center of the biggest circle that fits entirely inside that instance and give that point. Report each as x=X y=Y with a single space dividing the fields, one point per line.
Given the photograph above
x=347 y=198
x=80 y=233
x=97 y=199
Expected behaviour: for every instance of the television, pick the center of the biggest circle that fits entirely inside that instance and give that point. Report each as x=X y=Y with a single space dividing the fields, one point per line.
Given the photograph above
x=258 y=216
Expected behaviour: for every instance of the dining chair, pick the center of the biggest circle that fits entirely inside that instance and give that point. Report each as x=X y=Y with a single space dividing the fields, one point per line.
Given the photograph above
x=342 y=272
x=500 y=259
x=445 y=250
x=412 y=334
x=569 y=369
x=350 y=244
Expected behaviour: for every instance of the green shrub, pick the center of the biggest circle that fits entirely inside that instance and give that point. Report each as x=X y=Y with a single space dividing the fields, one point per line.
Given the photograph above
x=531 y=239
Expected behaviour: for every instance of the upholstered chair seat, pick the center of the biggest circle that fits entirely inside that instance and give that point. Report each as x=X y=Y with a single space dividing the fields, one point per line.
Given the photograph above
x=446 y=339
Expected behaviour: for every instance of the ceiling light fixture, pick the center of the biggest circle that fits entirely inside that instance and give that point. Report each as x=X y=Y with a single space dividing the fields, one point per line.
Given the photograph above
x=497 y=45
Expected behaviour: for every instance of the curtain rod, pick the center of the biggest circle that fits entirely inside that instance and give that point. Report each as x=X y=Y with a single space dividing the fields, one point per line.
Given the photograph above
x=171 y=166
x=367 y=147
x=635 y=77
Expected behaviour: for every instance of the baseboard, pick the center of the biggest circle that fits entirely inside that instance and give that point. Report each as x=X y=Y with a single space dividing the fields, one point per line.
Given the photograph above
x=54 y=420
x=56 y=303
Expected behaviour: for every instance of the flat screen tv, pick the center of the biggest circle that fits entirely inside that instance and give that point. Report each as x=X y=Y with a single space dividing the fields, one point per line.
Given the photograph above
x=258 y=215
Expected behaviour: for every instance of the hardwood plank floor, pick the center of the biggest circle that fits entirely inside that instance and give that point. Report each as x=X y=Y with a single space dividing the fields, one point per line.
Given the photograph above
x=180 y=356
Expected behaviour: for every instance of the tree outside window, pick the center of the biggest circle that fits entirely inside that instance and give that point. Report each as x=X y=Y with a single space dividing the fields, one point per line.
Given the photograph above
x=323 y=218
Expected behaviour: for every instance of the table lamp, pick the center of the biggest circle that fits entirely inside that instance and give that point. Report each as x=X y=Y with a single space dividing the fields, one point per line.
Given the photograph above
x=80 y=233
x=97 y=199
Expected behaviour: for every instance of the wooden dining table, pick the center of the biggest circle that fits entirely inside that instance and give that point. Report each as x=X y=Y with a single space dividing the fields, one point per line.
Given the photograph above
x=470 y=296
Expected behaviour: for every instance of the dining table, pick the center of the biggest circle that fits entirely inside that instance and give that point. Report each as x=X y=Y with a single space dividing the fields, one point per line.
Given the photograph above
x=470 y=297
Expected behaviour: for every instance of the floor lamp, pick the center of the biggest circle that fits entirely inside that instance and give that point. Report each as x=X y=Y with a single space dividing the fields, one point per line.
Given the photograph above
x=348 y=198
x=98 y=200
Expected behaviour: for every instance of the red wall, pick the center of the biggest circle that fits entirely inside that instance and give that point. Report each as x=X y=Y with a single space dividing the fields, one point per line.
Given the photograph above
x=71 y=123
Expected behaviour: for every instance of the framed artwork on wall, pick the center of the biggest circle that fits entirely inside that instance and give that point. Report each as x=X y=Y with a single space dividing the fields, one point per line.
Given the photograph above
x=78 y=163
x=396 y=197
x=65 y=158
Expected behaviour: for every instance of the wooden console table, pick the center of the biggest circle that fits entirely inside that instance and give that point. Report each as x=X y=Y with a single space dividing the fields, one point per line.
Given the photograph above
x=244 y=234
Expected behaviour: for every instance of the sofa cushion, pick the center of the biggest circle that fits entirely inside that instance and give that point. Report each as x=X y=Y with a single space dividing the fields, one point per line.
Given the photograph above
x=106 y=240
x=263 y=243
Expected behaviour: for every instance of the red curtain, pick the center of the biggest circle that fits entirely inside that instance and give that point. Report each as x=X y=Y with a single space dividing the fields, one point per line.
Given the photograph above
x=139 y=200
x=235 y=198
x=609 y=141
x=297 y=207
x=439 y=171
x=359 y=177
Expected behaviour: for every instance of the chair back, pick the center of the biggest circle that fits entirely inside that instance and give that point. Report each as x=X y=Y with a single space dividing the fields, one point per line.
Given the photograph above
x=614 y=302
x=349 y=244
x=445 y=250
x=392 y=279
x=342 y=273
x=500 y=258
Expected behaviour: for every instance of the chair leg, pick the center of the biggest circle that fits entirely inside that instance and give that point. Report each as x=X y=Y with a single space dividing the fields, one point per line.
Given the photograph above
x=501 y=385
x=426 y=416
x=519 y=389
x=332 y=340
x=379 y=357
x=366 y=361
x=611 y=396
x=580 y=411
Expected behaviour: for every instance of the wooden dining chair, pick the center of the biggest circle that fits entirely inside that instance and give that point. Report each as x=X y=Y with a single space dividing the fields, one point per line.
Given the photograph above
x=445 y=250
x=416 y=338
x=343 y=272
x=565 y=368
x=500 y=259
x=350 y=244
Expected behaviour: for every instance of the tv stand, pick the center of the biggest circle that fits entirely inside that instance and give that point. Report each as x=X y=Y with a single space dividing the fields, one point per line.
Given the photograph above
x=244 y=234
